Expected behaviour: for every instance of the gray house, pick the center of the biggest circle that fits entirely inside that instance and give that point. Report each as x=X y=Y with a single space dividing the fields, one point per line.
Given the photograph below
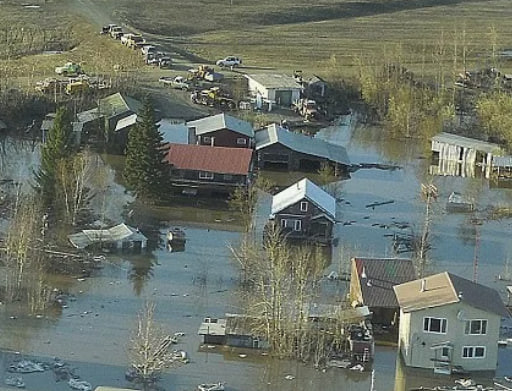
x=276 y=147
x=281 y=89
x=304 y=211
x=448 y=322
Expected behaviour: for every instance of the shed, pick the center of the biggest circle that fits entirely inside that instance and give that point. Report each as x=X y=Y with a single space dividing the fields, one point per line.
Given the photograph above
x=502 y=167
x=121 y=236
x=282 y=89
x=277 y=147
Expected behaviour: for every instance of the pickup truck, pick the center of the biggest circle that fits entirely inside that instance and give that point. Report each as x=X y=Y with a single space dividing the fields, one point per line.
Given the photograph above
x=116 y=32
x=178 y=82
x=69 y=69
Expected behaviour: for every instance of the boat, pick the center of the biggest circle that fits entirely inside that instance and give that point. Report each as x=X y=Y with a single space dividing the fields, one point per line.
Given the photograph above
x=219 y=386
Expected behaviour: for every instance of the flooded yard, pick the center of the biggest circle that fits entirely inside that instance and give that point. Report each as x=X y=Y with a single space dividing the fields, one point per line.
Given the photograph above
x=92 y=331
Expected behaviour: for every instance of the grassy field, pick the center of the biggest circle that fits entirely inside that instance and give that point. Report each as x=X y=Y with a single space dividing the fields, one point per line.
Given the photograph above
x=301 y=34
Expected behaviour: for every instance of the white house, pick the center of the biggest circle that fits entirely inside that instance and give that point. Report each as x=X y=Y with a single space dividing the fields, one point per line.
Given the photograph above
x=278 y=88
x=448 y=322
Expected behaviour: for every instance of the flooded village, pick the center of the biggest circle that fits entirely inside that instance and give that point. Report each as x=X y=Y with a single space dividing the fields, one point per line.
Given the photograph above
x=296 y=246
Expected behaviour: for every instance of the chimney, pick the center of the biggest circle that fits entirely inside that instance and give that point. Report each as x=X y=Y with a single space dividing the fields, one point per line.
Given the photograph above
x=423 y=285
x=363 y=274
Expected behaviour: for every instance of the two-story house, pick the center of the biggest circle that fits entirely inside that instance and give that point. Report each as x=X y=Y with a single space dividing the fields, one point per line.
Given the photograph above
x=222 y=130
x=304 y=211
x=448 y=322
x=201 y=169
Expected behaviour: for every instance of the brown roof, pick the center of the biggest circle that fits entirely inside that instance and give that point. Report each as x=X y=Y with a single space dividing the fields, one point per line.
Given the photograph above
x=446 y=288
x=377 y=277
x=235 y=161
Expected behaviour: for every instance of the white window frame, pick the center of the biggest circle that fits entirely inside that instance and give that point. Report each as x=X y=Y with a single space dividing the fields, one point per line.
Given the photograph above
x=443 y=325
x=469 y=322
x=303 y=206
x=241 y=141
x=469 y=352
x=447 y=355
x=284 y=222
x=297 y=225
x=205 y=175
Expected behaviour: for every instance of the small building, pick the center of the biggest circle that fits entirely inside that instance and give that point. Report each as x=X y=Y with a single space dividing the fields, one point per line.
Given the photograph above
x=279 y=88
x=197 y=169
x=304 y=211
x=502 y=167
x=276 y=147
x=449 y=322
x=465 y=151
x=222 y=130
x=234 y=330
x=213 y=331
x=371 y=284
x=119 y=237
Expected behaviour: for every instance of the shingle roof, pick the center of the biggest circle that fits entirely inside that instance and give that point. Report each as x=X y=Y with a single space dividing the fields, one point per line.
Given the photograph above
x=446 y=288
x=273 y=134
x=453 y=139
x=236 y=161
x=377 y=277
x=114 y=234
x=117 y=103
x=308 y=190
x=221 y=121
x=272 y=80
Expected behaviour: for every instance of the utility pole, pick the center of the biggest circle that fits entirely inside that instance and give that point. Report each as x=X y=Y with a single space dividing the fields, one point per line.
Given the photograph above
x=429 y=193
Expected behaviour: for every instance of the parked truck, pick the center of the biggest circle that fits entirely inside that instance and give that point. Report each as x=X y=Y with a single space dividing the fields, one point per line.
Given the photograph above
x=307 y=108
x=69 y=69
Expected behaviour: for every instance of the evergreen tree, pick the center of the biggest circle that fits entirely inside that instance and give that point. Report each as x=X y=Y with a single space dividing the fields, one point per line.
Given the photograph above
x=145 y=170
x=56 y=147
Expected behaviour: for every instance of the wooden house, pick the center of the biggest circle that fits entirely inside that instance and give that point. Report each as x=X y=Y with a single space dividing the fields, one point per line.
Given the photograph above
x=222 y=130
x=371 y=284
x=202 y=169
x=304 y=211
x=449 y=322
x=276 y=147
x=461 y=154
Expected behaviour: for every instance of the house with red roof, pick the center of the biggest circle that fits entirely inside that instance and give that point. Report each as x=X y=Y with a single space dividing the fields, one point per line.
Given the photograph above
x=196 y=169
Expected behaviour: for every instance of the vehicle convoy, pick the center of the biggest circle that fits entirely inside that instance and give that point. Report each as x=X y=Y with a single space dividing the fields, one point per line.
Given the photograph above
x=230 y=61
x=135 y=41
x=69 y=69
x=178 y=82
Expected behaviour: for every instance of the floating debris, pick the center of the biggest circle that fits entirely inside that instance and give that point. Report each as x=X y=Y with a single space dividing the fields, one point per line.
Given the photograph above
x=289 y=377
x=26 y=366
x=80 y=385
x=15 y=381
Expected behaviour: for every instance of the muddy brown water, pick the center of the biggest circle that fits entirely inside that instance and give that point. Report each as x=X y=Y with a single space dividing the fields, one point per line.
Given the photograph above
x=92 y=332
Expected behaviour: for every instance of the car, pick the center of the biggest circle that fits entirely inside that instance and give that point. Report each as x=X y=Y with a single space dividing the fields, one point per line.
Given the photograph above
x=178 y=82
x=69 y=69
x=230 y=61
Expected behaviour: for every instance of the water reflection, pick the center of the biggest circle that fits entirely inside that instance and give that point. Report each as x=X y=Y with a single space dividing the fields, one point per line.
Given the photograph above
x=141 y=270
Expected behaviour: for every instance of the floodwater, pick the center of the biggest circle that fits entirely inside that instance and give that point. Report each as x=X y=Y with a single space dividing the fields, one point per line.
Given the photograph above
x=92 y=332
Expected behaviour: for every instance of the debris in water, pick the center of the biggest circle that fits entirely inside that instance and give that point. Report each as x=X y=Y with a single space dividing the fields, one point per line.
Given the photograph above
x=26 y=366
x=15 y=381
x=374 y=204
x=242 y=355
x=289 y=377
x=80 y=385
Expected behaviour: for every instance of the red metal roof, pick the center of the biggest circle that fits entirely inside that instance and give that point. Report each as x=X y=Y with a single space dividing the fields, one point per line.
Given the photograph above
x=236 y=161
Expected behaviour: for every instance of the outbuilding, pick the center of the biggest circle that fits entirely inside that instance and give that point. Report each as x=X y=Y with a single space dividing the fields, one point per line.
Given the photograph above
x=279 y=88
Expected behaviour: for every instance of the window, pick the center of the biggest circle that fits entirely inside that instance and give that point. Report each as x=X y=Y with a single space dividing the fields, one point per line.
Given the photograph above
x=434 y=325
x=445 y=352
x=297 y=226
x=205 y=175
x=207 y=139
x=283 y=223
x=228 y=177
x=476 y=327
x=241 y=141
x=473 y=352
x=304 y=206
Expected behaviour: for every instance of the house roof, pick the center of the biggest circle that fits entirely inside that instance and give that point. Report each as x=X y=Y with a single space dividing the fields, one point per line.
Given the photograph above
x=377 y=276
x=219 y=122
x=117 y=233
x=117 y=103
x=236 y=161
x=126 y=122
x=275 y=134
x=305 y=189
x=88 y=115
x=502 y=161
x=466 y=142
x=213 y=327
x=446 y=288
x=275 y=81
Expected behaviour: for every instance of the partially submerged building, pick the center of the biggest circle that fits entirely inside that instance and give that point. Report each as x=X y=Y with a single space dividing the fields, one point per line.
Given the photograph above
x=464 y=152
x=234 y=330
x=304 y=211
x=448 y=322
x=119 y=237
x=222 y=130
x=371 y=284
x=276 y=147
x=197 y=169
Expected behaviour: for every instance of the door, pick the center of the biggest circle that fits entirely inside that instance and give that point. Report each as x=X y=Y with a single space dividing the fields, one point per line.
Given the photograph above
x=284 y=98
